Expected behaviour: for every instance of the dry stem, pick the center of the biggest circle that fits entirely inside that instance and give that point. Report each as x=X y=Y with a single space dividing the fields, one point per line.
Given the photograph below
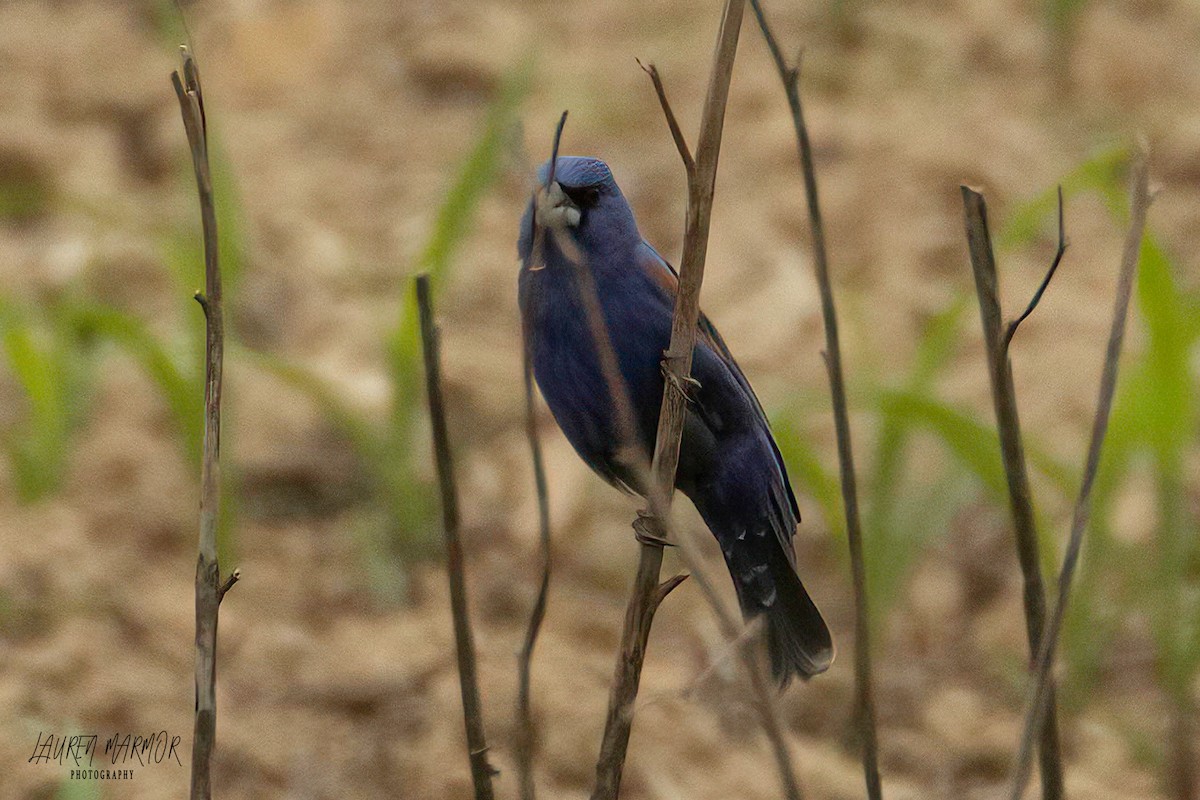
x=481 y=770
x=640 y=610
x=209 y=588
x=525 y=736
x=789 y=74
x=1042 y=692
x=1004 y=400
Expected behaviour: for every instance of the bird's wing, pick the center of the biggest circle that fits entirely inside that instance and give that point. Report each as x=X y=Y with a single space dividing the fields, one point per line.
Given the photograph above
x=666 y=276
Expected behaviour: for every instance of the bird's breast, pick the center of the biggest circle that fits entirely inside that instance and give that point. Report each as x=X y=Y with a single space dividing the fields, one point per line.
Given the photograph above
x=565 y=356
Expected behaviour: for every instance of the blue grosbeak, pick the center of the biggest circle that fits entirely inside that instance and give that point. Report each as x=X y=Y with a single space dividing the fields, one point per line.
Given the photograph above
x=729 y=464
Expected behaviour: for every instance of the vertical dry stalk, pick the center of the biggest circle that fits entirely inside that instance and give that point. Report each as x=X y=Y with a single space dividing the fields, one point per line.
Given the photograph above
x=481 y=770
x=1004 y=400
x=1042 y=688
x=1183 y=736
x=653 y=527
x=865 y=695
x=525 y=736
x=646 y=593
x=635 y=458
x=209 y=588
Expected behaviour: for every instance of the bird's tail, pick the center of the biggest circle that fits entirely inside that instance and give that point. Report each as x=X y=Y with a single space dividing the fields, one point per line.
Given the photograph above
x=798 y=639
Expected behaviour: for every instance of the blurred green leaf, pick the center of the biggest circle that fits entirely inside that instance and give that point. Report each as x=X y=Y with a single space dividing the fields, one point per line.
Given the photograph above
x=398 y=527
x=452 y=224
x=891 y=546
x=231 y=216
x=78 y=789
x=182 y=389
x=1037 y=217
x=179 y=380
x=937 y=344
x=1156 y=416
x=971 y=442
x=363 y=436
x=53 y=376
x=411 y=503
x=806 y=469
x=1167 y=395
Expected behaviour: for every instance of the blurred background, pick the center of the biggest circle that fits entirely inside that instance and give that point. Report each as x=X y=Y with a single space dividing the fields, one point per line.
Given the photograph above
x=358 y=143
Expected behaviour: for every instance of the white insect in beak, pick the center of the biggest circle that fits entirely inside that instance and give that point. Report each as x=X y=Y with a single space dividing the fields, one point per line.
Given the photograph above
x=555 y=210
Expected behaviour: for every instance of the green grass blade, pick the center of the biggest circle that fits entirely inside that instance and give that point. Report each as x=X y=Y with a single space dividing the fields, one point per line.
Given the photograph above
x=38 y=452
x=85 y=789
x=972 y=443
x=452 y=224
x=1100 y=173
x=183 y=391
x=363 y=437
x=808 y=473
x=885 y=539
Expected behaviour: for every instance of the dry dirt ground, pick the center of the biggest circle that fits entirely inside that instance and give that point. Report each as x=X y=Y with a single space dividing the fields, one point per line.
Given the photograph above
x=344 y=123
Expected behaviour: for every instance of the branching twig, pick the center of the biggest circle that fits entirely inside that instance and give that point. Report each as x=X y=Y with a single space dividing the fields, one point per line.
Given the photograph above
x=525 y=729
x=1004 y=401
x=789 y=74
x=209 y=589
x=233 y=578
x=639 y=613
x=1042 y=692
x=681 y=144
x=1183 y=735
x=1011 y=329
x=481 y=770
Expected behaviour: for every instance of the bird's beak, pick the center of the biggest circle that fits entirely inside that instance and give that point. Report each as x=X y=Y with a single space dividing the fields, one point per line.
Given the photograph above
x=554 y=209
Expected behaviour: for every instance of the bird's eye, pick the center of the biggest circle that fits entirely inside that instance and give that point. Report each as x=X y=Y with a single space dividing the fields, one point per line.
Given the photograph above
x=582 y=196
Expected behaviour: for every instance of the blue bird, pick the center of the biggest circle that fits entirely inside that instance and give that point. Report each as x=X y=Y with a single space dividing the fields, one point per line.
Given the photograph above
x=729 y=464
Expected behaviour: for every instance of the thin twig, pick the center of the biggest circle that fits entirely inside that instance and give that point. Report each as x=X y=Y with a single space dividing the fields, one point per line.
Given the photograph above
x=651 y=527
x=1011 y=330
x=1182 y=735
x=209 y=589
x=668 y=586
x=751 y=631
x=481 y=770
x=540 y=233
x=525 y=737
x=562 y=121
x=681 y=144
x=233 y=578
x=1004 y=401
x=525 y=732
x=762 y=697
x=629 y=452
x=865 y=696
x=1042 y=692
x=640 y=610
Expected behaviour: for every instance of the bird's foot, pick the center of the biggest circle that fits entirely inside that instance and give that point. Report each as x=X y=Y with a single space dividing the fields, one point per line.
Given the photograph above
x=688 y=386
x=645 y=530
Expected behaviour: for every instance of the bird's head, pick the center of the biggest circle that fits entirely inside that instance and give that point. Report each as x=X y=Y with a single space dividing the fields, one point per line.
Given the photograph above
x=582 y=203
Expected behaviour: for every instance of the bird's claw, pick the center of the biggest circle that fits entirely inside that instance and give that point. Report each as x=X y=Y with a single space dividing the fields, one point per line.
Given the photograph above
x=688 y=386
x=645 y=530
